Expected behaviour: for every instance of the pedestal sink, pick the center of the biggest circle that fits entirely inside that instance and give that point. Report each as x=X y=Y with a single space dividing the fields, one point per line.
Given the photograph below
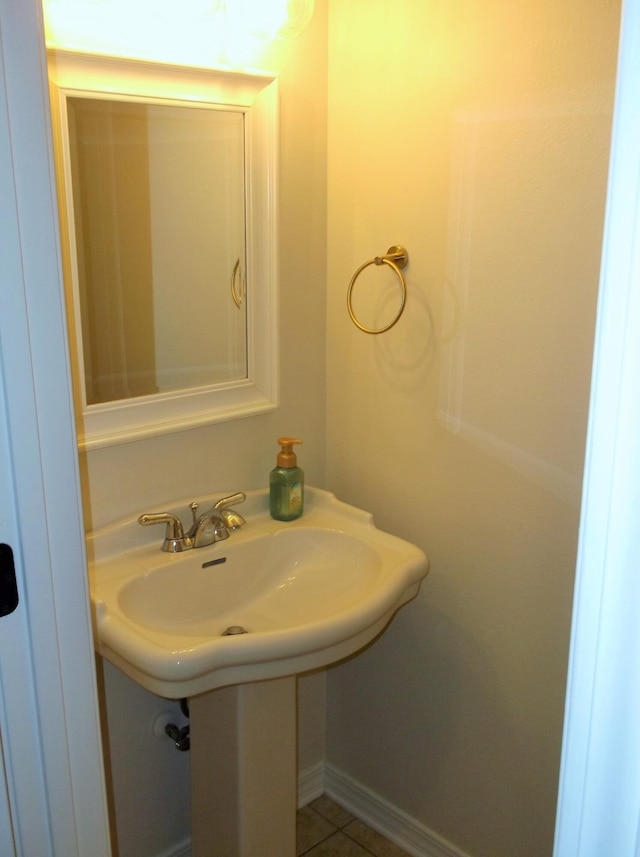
x=307 y=593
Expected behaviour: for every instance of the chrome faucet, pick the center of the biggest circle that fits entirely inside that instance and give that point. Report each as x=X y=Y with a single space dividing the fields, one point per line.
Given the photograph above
x=207 y=528
x=175 y=540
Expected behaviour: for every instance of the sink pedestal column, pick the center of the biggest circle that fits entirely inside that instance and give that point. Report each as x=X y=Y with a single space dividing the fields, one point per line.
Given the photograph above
x=243 y=770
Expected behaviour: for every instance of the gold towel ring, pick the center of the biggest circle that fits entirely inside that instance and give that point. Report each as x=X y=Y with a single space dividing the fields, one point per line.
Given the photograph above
x=396 y=258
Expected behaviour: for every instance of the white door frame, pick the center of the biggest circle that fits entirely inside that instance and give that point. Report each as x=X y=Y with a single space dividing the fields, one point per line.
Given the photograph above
x=56 y=780
x=599 y=797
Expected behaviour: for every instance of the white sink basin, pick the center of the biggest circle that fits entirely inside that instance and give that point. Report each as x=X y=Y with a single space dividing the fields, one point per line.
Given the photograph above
x=307 y=592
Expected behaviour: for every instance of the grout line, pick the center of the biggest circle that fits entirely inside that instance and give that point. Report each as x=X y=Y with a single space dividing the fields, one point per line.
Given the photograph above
x=339 y=829
x=319 y=842
x=364 y=847
x=325 y=838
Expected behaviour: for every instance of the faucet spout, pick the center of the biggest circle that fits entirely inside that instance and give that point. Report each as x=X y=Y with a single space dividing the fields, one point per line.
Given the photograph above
x=208 y=529
x=214 y=525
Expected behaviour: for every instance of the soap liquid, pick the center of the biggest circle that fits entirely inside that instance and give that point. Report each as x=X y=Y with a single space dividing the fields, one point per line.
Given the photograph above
x=286 y=493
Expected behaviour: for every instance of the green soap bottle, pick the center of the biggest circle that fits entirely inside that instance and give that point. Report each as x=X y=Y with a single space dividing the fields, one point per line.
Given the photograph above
x=286 y=483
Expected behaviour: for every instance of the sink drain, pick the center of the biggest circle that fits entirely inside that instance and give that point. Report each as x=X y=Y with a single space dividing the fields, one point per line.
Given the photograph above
x=232 y=630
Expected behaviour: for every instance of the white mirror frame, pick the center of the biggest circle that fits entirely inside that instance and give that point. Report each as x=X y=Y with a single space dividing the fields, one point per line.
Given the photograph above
x=106 y=424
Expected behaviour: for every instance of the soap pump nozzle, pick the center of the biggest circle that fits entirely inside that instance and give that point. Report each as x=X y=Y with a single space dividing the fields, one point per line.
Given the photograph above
x=286 y=456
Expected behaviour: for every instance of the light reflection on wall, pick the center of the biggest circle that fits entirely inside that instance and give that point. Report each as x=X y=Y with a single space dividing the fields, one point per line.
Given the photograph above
x=190 y=32
x=519 y=236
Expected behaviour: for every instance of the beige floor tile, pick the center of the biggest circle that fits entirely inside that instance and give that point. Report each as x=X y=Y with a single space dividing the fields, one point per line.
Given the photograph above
x=311 y=829
x=332 y=811
x=373 y=841
x=326 y=829
x=338 y=845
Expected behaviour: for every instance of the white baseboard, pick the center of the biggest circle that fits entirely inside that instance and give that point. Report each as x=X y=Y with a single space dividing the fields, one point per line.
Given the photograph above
x=391 y=822
x=310 y=784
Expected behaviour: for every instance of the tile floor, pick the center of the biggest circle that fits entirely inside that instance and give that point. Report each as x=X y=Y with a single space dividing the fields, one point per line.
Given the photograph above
x=325 y=829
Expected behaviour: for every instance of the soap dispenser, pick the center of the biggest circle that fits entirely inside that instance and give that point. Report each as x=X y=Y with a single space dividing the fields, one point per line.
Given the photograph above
x=286 y=483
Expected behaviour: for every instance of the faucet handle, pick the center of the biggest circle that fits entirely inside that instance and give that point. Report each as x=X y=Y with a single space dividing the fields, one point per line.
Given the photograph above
x=231 y=500
x=175 y=540
x=233 y=520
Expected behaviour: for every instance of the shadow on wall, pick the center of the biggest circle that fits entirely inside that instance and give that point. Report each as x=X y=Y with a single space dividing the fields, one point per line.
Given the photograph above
x=406 y=360
x=458 y=689
x=147 y=778
x=404 y=354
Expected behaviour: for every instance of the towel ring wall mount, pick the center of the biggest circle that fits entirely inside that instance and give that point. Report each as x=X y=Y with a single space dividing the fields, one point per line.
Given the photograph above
x=396 y=258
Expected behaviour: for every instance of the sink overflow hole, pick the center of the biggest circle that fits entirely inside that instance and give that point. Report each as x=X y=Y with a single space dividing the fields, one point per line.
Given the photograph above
x=232 y=630
x=211 y=562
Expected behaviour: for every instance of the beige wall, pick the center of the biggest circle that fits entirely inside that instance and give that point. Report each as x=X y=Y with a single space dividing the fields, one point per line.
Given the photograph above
x=476 y=134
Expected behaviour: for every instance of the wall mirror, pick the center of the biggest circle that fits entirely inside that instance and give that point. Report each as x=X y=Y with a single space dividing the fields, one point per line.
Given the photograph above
x=167 y=186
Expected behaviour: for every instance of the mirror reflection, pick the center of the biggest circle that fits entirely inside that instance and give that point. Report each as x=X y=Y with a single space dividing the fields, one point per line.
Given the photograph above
x=159 y=225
